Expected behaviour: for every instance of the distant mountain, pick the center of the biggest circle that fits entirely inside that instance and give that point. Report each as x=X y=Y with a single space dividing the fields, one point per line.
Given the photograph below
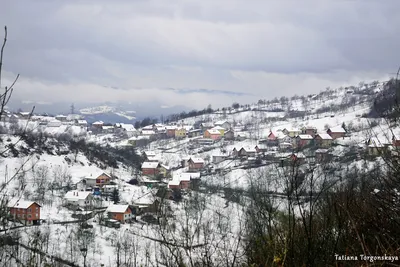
x=125 y=112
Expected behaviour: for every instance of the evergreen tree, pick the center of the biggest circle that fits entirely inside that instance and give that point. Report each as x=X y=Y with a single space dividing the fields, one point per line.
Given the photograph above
x=344 y=126
x=115 y=196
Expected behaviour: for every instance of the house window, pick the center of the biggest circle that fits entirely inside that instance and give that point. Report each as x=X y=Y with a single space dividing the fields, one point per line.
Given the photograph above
x=29 y=210
x=29 y=216
x=37 y=215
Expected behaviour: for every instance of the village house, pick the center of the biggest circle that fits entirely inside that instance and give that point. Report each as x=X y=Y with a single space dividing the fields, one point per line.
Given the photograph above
x=194 y=133
x=395 y=141
x=274 y=138
x=195 y=164
x=206 y=125
x=336 y=132
x=310 y=130
x=180 y=132
x=77 y=198
x=174 y=184
x=146 y=205
x=184 y=161
x=291 y=132
x=285 y=146
x=121 y=213
x=170 y=130
x=148 y=133
x=61 y=118
x=98 y=179
x=97 y=124
x=24 y=115
x=261 y=148
x=229 y=135
x=82 y=123
x=220 y=129
x=150 y=168
x=125 y=129
x=235 y=152
x=107 y=129
x=27 y=212
x=303 y=140
x=212 y=134
x=224 y=124
x=323 y=140
x=376 y=147
x=164 y=170
x=247 y=152
x=151 y=156
x=322 y=155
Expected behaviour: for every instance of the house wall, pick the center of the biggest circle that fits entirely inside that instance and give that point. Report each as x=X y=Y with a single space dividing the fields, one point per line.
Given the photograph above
x=336 y=135
x=171 y=132
x=32 y=213
x=122 y=217
x=215 y=136
x=102 y=180
x=180 y=133
x=174 y=186
x=147 y=171
x=185 y=184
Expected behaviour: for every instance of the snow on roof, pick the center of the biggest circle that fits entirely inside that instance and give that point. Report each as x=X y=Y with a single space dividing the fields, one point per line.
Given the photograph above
x=337 y=129
x=220 y=122
x=165 y=167
x=249 y=149
x=148 y=127
x=305 y=136
x=117 y=208
x=321 y=150
x=149 y=153
x=186 y=176
x=107 y=127
x=218 y=128
x=97 y=174
x=325 y=136
x=149 y=165
x=170 y=127
x=76 y=195
x=148 y=132
x=21 y=204
x=128 y=127
x=61 y=116
x=174 y=182
x=98 y=123
x=207 y=124
x=82 y=121
x=213 y=131
x=291 y=129
x=197 y=160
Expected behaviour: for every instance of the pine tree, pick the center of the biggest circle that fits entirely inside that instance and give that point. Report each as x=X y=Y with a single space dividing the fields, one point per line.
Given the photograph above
x=115 y=196
x=344 y=126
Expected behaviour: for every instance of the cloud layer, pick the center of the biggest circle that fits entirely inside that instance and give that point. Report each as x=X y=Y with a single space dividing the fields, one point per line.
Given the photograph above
x=80 y=51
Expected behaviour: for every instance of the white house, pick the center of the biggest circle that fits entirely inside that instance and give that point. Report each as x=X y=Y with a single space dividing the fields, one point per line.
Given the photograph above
x=79 y=198
x=224 y=124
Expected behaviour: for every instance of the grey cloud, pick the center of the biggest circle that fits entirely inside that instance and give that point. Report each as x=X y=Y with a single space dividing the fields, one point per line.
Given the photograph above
x=198 y=44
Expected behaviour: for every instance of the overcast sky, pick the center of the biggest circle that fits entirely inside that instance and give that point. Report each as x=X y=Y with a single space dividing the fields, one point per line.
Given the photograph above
x=237 y=50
